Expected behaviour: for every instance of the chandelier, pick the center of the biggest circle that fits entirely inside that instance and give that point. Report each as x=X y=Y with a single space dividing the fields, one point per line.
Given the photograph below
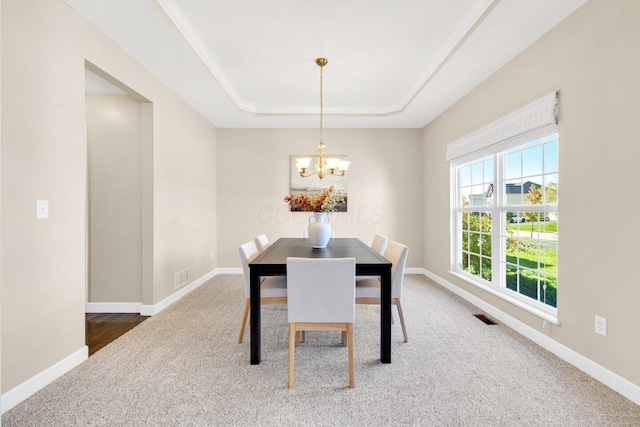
x=324 y=166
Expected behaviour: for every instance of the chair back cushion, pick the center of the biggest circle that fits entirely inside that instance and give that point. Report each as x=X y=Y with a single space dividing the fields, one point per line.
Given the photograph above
x=321 y=290
x=397 y=254
x=379 y=243
x=262 y=242
x=248 y=251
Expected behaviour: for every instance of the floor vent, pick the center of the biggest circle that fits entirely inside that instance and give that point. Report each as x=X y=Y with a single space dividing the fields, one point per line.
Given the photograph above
x=485 y=319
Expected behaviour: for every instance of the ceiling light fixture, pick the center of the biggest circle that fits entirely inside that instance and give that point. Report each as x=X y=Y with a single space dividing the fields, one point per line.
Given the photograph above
x=328 y=166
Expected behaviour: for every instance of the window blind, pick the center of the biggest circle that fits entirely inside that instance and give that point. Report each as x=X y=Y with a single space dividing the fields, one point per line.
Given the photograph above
x=533 y=121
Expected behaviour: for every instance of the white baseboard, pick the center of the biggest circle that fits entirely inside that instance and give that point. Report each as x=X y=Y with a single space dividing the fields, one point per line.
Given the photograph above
x=612 y=380
x=32 y=385
x=229 y=270
x=44 y=378
x=150 y=310
x=113 y=307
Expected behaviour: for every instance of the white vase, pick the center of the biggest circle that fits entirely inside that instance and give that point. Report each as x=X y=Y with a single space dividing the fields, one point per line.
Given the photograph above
x=319 y=230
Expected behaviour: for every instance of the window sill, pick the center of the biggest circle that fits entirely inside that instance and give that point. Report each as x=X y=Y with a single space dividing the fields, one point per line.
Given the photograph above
x=549 y=317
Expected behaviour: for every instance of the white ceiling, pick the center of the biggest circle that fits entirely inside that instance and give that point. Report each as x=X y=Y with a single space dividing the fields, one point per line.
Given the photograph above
x=392 y=63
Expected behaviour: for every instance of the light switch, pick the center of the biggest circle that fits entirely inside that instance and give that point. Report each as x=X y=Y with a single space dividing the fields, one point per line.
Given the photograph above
x=42 y=209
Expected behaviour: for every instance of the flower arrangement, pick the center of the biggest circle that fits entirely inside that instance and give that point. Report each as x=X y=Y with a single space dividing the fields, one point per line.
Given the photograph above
x=326 y=200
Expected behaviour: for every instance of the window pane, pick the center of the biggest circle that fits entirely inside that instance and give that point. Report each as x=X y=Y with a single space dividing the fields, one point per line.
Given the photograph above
x=474 y=221
x=465 y=196
x=532 y=161
x=512 y=277
x=486 y=244
x=549 y=257
x=512 y=165
x=529 y=283
x=551 y=157
x=477 y=174
x=486 y=269
x=474 y=243
x=474 y=265
x=489 y=201
x=488 y=170
x=465 y=260
x=465 y=221
x=532 y=191
x=513 y=192
x=478 y=196
x=549 y=296
x=465 y=176
x=551 y=189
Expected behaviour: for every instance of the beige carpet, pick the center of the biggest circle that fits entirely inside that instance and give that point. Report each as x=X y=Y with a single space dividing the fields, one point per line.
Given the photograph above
x=184 y=367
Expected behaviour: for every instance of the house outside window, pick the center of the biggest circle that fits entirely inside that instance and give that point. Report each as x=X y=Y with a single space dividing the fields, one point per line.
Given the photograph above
x=505 y=209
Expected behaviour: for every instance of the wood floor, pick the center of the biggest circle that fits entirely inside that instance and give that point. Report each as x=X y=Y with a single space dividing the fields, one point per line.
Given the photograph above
x=102 y=328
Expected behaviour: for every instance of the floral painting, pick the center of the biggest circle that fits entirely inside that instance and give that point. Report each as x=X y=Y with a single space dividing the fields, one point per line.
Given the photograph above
x=313 y=186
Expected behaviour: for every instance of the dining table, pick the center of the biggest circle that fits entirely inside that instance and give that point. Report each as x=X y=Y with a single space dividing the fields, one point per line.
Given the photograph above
x=273 y=262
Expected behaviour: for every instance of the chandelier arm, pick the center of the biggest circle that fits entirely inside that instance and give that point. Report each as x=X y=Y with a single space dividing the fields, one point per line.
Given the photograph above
x=306 y=175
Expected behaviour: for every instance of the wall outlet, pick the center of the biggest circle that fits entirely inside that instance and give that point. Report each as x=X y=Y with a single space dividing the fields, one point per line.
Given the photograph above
x=601 y=326
x=42 y=209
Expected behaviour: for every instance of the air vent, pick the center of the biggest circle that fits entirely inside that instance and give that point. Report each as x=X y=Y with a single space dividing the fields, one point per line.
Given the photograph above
x=485 y=319
x=180 y=278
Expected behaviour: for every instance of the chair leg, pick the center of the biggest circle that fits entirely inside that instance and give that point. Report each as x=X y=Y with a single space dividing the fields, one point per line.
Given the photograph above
x=292 y=349
x=344 y=338
x=350 y=345
x=396 y=301
x=247 y=305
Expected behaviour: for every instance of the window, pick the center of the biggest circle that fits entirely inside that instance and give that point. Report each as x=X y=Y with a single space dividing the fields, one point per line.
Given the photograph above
x=505 y=214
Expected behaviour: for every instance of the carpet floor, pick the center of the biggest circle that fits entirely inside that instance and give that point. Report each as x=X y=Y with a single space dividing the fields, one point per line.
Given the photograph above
x=184 y=366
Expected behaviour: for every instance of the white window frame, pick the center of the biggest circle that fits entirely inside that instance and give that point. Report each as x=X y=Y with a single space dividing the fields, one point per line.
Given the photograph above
x=536 y=120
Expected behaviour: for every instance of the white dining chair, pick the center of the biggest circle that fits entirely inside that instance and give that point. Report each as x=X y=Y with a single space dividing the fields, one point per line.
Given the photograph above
x=273 y=289
x=368 y=290
x=379 y=243
x=262 y=242
x=321 y=296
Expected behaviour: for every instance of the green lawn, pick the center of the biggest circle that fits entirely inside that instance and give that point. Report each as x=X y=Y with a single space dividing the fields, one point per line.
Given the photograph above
x=528 y=279
x=544 y=227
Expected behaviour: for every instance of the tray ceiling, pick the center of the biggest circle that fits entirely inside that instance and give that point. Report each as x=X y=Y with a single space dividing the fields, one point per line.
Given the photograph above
x=251 y=63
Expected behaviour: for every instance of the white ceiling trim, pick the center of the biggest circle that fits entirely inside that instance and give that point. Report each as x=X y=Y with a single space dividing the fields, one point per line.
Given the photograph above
x=183 y=26
x=175 y=15
x=450 y=47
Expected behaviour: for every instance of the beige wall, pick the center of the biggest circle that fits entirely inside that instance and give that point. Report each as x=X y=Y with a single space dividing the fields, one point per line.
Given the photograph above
x=592 y=59
x=185 y=217
x=44 y=47
x=384 y=187
x=114 y=140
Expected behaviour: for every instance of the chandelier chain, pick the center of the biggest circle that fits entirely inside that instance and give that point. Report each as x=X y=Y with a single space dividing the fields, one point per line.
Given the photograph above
x=321 y=104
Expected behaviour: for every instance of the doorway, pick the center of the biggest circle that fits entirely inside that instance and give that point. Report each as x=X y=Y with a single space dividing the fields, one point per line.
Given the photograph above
x=118 y=211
